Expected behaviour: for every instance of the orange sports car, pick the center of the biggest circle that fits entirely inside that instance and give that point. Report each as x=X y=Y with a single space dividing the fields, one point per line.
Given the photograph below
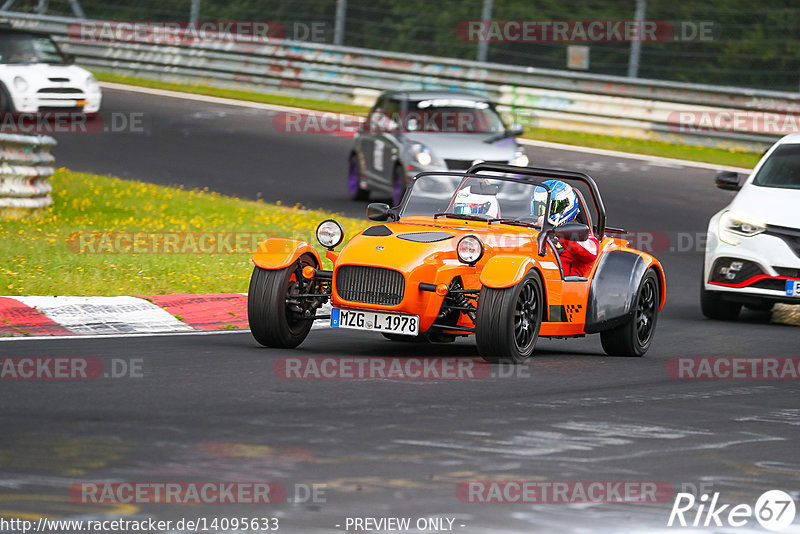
x=464 y=254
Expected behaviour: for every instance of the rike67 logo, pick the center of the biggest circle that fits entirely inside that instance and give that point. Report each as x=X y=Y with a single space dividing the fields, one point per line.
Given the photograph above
x=774 y=510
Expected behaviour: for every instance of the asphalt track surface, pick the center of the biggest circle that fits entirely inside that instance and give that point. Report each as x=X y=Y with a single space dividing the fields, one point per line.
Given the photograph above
x=210 y=407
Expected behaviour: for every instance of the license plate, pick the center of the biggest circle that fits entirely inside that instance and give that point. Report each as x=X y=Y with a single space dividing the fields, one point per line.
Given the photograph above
x=391 y=323
x=793 y=288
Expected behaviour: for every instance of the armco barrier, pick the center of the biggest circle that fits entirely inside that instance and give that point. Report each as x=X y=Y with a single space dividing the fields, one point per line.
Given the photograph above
x=645 y=109
x=25 y=169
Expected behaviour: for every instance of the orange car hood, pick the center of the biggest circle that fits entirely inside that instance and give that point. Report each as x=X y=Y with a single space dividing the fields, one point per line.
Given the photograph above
x=398 y=252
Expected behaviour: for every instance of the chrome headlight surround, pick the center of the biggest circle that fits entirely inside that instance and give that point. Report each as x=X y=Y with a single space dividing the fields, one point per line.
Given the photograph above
x=470 y=249
x=329 y=233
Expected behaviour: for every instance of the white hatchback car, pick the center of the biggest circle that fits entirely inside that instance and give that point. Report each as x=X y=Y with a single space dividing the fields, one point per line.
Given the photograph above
x=752 y=253
x=36 y=77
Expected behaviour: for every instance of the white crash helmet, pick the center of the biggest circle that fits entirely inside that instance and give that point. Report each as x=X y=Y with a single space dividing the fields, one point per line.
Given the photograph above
x=469 y=203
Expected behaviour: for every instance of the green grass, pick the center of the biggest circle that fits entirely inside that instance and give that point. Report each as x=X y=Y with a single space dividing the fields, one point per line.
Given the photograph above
x=717 y=156
x=279 y=100
x=42 y=254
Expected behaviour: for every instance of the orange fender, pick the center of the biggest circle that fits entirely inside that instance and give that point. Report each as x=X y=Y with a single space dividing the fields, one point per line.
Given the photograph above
x=505 y=270
x=277 y=253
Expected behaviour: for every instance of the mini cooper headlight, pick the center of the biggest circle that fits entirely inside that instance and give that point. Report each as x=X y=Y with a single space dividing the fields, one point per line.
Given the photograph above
x=469 y=249
x=20 y=84
x=520 y=158
x=733 y=225
x=92 y=85
x=330 y=233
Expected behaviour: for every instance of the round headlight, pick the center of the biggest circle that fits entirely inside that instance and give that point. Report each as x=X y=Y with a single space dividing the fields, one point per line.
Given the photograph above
x=423 y=155
x=91 y=84
x=469 y=249
x=20 y=84
x=520 y=159
x=330 y=233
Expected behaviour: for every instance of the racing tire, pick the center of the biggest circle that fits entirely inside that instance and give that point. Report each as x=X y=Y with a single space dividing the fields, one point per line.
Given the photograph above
x=354 y=188
x=271 y=319
x=635 y=336
x=508 y=320
x=6 y=104
x=714 y=306
x=398 y=184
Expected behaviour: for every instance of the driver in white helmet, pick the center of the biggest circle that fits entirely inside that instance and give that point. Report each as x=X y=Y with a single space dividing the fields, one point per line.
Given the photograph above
x=469 y=203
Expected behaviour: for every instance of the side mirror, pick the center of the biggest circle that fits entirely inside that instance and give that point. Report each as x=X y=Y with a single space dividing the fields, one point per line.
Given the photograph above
x=572 y=231
x=378 y=211
x=516 y=130
x=728 y=180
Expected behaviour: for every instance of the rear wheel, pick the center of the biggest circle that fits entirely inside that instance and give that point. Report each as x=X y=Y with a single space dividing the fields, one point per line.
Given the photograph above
x=354 y=180
x=634 y=337
x=508 y=320
x=277 y=317
x=714 y=306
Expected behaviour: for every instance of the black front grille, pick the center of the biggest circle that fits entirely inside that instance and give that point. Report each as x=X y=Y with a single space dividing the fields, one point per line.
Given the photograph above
x=370 y=285
x=774 y=284
x=61 y=109
x=60 y=90
x=787 y=271
x=464 y=164
x=790 y=236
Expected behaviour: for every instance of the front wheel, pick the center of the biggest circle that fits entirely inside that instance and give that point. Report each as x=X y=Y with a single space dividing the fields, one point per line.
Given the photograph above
x=714 y=306
x=354 y=188
x=508 y=320
x=634 y=337
x=277 y=316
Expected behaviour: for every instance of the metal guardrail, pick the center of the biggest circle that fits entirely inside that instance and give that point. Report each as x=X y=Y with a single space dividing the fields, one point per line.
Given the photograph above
x=25 y=169
x=634 y=108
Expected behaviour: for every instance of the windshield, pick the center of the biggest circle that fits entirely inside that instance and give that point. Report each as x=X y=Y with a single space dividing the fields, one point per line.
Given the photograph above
x=452 y=115
x=28 y=48
x=467 y=196
x=782 y=168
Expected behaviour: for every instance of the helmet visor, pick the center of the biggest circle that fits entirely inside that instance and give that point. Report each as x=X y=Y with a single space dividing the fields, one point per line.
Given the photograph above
x=471 y=208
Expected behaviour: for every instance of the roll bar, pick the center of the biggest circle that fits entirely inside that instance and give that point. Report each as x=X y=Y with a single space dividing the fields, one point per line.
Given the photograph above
x=555 y=174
